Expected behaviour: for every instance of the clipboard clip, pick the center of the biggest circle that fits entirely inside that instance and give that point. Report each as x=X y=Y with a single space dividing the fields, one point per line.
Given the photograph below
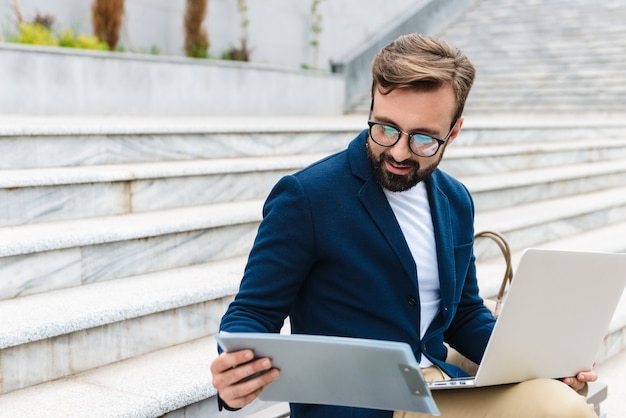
x=414 y=380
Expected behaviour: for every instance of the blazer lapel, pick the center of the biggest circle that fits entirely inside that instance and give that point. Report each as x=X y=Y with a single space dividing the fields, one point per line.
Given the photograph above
x=373 y=199
x=440 y=210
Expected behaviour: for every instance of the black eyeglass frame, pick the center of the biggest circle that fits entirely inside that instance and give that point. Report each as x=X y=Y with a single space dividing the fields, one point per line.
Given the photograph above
x=440 y=141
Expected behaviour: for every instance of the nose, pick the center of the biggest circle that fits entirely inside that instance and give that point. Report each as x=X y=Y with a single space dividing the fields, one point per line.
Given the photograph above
x=401 y=151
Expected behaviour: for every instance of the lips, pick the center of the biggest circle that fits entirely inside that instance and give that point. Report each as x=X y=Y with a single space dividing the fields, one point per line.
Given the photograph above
x=397 y=169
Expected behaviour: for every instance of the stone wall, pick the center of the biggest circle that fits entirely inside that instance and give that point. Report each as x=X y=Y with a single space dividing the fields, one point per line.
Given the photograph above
x=64 y=81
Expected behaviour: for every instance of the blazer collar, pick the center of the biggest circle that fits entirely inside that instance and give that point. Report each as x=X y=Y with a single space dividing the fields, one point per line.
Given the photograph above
x=357 y=157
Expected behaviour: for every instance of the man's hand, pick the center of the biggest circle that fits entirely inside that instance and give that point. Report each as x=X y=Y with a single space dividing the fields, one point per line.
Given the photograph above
x=232 y=377
x=580 y=380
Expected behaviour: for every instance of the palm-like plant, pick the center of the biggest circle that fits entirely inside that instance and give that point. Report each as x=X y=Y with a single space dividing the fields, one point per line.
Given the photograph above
x=107 y=19
x=196 y=37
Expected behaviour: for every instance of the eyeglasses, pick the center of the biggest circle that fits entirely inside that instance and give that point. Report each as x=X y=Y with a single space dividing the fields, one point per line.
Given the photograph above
x=422 y=145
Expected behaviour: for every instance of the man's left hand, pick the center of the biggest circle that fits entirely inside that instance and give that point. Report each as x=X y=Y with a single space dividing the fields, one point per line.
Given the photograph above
x=579 y=381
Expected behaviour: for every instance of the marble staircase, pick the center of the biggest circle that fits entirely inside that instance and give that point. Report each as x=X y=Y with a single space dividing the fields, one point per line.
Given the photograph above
x=556 y=57
x=123 y=241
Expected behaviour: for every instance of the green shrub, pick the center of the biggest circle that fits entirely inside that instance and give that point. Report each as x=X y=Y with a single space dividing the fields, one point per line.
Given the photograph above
x=36 y=34
x=70 y=40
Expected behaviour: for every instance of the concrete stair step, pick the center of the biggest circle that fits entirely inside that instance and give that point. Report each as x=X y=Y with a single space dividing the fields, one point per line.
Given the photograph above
x=522 y=187
x=555 y=91
x=28 y=142
x=112 y=321
x=553 y=5
x=524 y=41
x=546 y=60
x=515 y=40
x=592 y=75
x=490 y=264
x=53 y=194
x=547 y=221
x=171 y=382
x=147 y=386
x=569 y=104
x=464 y=161
x=569 y=107
x=522 y=34
x=43 y=257
x=521 y=99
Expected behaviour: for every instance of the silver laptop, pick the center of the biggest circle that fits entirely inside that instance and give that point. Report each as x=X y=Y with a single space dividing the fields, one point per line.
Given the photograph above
x=554 y=319
x=339 y=371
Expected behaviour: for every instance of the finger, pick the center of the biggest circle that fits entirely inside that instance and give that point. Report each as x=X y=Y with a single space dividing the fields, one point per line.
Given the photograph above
x=227 y=361
x=243 y=392
x=240 y=402
x=573 y=382
x=240 y=373
x=589 y=376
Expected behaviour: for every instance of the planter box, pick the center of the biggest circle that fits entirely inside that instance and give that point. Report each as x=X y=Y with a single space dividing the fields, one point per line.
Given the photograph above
x=63 y=81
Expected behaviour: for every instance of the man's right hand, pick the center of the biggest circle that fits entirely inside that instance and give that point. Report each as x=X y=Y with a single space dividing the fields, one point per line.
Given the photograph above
x=232 y=377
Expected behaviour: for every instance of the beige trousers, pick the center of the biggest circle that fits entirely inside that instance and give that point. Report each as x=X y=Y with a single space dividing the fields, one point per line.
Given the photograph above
x=535 y=398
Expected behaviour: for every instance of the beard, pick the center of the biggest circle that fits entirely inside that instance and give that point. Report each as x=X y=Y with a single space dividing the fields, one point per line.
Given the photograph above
x=399 y=183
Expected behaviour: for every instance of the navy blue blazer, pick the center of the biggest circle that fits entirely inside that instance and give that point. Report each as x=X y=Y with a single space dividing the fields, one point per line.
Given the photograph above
x=330 y=255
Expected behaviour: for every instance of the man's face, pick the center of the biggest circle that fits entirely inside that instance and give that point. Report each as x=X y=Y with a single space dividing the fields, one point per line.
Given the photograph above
x=430 y=112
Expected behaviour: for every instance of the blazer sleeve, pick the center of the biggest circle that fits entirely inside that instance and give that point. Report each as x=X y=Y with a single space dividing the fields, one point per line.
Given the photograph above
x=473 y=322
x=278 y=263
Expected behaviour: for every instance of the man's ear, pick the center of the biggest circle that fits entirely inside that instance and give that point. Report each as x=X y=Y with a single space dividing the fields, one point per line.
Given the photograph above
x=456 y=130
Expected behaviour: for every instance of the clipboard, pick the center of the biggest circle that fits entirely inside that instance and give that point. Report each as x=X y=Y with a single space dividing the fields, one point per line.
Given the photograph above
x=339 y=371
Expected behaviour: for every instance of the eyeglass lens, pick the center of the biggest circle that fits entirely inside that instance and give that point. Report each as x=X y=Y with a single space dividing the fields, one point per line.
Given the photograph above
x=388 y=135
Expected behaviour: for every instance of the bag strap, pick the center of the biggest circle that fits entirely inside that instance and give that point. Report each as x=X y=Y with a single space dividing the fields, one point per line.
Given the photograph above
x=508 y=272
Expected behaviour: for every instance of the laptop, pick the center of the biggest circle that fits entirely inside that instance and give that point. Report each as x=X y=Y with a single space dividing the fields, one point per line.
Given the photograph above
x=339 y=371
x=557 y=311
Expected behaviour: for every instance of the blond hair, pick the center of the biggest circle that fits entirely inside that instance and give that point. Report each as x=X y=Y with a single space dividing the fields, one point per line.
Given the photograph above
x=424 y=63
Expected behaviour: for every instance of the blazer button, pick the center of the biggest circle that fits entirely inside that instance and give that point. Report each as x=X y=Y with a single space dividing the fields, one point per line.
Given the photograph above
x=412 y=302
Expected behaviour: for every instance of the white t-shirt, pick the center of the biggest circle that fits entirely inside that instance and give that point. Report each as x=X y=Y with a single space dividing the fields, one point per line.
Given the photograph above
x=412 y=211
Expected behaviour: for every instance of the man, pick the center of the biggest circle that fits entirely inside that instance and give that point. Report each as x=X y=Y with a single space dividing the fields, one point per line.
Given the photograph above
x=376 y=242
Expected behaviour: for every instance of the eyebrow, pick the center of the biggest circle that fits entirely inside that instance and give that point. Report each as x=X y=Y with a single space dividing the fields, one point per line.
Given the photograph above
x=427 y=131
